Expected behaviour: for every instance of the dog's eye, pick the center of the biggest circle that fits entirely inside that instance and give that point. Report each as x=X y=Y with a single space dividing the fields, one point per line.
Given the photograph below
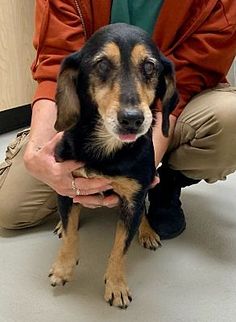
x=148 y=68
x=103 y=66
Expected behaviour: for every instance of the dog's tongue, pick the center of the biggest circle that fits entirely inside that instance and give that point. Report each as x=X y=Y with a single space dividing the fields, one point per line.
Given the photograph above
x=127 y=137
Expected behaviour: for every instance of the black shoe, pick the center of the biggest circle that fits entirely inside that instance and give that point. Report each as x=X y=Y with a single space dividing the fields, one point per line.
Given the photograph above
x=165 y=214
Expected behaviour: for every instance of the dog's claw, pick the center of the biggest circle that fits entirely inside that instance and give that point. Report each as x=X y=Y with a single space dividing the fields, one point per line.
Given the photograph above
x=111 y=300
x=159 y=242
x=117 y=294
x=58 y=229
x=123 y=307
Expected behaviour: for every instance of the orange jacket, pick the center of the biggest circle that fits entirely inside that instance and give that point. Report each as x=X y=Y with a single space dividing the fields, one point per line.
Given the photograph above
x=199 y=36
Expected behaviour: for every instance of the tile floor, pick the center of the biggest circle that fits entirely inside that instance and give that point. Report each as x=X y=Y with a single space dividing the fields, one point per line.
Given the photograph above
x=190 y=279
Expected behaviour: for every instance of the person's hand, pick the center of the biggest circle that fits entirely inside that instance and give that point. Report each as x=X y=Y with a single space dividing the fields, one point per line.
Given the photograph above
x=155 y=181
x=42 y=165
x=94 y=201
x=160 y=142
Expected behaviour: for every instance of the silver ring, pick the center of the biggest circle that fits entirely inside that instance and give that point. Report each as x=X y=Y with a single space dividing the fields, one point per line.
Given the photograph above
x=73 y=185
x=75 y=189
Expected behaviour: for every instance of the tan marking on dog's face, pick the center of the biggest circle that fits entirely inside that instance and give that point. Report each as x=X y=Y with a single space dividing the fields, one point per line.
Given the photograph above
x=146 y=90
x=104 y=140
x=112 y=52
x=138 y=54
x=107 y=98
x=106 y=94
x=146 y=93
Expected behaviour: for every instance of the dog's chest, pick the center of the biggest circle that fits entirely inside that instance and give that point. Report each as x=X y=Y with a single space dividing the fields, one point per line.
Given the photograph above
x=133 y=161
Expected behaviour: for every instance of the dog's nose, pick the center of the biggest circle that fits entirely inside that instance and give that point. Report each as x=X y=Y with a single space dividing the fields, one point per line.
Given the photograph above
x=130 y=118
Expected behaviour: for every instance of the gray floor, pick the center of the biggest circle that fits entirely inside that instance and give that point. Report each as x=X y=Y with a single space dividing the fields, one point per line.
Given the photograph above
x=190 y=279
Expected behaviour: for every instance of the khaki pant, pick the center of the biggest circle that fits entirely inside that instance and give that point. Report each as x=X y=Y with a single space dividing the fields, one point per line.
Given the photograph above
x=203 y=147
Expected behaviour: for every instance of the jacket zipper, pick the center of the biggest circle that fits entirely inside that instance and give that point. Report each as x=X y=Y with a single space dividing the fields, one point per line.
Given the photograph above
x=81 y=18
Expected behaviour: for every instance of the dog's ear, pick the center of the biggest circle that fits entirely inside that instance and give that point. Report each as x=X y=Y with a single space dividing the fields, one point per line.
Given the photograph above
x=67 y=100
x=167 y=92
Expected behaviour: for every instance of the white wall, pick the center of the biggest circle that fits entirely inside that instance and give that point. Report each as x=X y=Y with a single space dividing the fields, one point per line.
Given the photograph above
x=16 y=52
x=232 y=74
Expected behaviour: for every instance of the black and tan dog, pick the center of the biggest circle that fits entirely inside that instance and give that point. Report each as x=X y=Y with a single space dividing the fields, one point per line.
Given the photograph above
x=106 y=100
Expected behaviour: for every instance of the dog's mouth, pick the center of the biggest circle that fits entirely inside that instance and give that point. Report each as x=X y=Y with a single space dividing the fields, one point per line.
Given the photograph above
x=121 y=134
x=127 y=134
x=128 y=137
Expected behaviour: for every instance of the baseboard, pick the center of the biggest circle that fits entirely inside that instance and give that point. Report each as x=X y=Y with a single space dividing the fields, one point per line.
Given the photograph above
x=15 y=118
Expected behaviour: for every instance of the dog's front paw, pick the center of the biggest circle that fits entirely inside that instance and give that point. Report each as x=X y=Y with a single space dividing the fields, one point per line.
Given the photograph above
x=117 y=293
x=62 y=272
x=148 y=238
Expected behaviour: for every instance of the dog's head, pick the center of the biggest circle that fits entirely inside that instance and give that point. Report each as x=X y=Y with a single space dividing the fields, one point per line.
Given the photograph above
x=122 y=73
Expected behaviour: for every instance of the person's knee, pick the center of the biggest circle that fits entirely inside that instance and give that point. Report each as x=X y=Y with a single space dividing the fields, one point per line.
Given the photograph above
x=15 y=213
x=224 y=113
x=9 y=214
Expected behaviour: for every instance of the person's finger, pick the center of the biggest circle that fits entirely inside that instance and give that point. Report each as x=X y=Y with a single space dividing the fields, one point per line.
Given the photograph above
x=98 y=200
x=111 y=201
x=50 y=146
x=92 y=184
x=93 y=200
x=70 y=165
x=83 y=192
x=155 y=182
x=90 y=206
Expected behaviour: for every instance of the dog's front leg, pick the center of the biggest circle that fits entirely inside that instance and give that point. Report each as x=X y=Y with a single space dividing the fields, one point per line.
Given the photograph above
x=117 y=292
x=63 y=268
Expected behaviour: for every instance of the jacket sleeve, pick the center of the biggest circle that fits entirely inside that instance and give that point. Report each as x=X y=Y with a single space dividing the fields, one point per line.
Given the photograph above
x=203 y=60
x=58 y=32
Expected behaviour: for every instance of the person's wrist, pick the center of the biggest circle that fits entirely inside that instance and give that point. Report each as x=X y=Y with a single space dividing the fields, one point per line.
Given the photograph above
x=28 y=158
x=30 y=154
